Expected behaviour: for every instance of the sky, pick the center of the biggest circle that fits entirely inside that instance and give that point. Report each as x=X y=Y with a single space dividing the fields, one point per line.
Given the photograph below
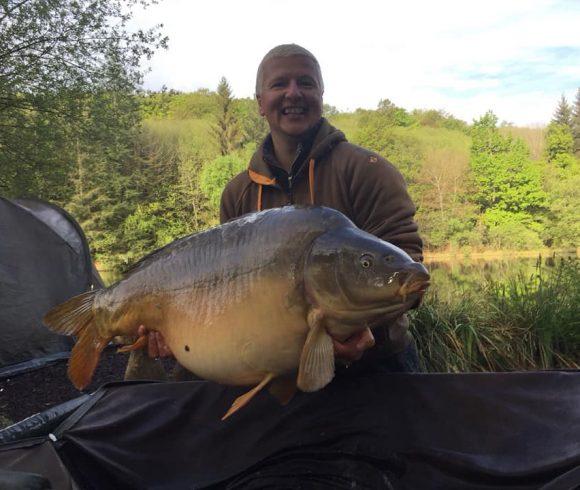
x=515 y=57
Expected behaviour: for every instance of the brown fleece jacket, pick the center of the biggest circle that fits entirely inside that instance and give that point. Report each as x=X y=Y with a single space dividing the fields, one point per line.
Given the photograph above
x=357 y=182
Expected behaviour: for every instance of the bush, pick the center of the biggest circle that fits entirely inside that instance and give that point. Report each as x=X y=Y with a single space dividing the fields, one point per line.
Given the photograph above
x=217 y=173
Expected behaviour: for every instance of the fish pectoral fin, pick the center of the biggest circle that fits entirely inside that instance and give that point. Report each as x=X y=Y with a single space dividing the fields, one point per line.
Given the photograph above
x=140 y=343
x=283 y=389
x=244 y=399
x=317 y=360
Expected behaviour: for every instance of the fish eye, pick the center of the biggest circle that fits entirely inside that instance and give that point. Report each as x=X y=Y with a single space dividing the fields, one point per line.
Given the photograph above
x=366 y=261
x=389 y=258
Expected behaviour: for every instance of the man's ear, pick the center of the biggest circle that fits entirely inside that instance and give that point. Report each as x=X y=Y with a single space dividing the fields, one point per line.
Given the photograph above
x=260 y=110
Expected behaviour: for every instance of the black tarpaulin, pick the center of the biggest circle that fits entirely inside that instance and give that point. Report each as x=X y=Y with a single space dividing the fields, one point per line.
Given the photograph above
x=44 y=260
x=382 y=431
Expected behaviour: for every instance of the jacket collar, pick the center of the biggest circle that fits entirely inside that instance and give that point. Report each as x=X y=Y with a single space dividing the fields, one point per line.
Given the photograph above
x=326 y=138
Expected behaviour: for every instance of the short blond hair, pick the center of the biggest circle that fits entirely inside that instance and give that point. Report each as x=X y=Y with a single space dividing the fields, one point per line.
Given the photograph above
x=285 y=51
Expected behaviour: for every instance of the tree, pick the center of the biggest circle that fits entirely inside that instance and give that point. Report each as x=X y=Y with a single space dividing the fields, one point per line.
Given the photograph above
x=576 y=124
x=507 y=185
x=559 y=144
x=563 y=225
x=215 y=175
x=377 y=133
x=393 y=115
x=563 y=114
x=329 y=110
x=254 y=127
x=227 y=128
x=56 y=59
x=437 y=119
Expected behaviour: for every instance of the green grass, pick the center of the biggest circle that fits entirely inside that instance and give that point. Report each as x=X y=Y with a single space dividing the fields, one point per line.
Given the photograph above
x=522 y=323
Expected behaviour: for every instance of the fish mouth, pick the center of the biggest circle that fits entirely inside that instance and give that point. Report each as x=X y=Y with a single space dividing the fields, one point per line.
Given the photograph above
x=413 y=285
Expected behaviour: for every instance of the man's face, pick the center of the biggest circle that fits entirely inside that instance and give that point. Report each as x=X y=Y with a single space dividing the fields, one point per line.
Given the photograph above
x=291 y=98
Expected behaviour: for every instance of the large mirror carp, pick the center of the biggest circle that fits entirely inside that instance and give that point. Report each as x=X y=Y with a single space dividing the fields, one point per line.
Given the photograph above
x=256 y=301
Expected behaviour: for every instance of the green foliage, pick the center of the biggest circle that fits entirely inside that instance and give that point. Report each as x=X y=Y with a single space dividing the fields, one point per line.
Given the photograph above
x=156 y=104
x=151 y=226
x=393 y=115
x=347 y=122
x=217 y=173
x=329 y=110
x=56 y=60
x=533 y=137
x=563 y=114
x=576 y=124
x=512 y=230
x=377 y=132
x=456 y=227
x=559 y=144
x=438 y=119
x=507 y=185
x=563 y=186
x=196 y=105
x=254 y=127
x=526 y=322
x=227 y=128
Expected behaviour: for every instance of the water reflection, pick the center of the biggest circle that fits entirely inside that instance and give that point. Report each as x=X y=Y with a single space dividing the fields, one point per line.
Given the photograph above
x=453 y=278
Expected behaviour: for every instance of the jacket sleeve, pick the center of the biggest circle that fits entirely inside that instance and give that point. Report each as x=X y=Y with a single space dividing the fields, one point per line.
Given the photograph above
x=232 y=197
x=382 y=206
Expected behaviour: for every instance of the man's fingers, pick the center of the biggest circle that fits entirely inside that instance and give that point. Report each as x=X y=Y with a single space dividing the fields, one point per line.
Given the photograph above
x=366 y=341
x=353 y=348
x=156 y=345
x=153 y=348
x=164 y=350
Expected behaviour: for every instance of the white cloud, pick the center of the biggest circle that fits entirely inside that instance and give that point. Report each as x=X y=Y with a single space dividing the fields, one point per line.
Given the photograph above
x=455 y=55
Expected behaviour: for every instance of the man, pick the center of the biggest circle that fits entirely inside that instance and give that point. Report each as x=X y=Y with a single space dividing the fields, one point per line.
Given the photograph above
x=304 y=160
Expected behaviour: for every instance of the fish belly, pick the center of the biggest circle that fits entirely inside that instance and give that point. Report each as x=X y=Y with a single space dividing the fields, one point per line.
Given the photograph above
x=237 y=337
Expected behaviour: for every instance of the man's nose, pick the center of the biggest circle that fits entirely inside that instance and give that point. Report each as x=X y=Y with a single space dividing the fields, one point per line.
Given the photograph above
x=293 y=90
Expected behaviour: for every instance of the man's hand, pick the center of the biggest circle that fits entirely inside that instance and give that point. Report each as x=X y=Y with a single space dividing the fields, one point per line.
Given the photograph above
x=156 y=346
x=354 y=347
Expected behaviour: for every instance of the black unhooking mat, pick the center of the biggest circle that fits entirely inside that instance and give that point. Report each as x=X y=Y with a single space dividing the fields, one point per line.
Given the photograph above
x=385 y=431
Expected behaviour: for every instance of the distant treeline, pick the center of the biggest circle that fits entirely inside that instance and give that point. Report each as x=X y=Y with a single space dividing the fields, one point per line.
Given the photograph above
x=149 y=168
x=140 y=169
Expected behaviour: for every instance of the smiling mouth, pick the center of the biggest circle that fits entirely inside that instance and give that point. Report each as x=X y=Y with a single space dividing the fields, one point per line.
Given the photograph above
x=294 y=111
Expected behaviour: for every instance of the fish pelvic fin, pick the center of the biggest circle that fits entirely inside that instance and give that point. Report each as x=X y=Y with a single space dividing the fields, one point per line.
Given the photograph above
x=76 y=317
x=244 y=399
x=316 y=368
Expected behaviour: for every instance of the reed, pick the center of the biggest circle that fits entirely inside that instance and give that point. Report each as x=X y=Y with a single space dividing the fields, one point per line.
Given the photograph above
x=526 y=322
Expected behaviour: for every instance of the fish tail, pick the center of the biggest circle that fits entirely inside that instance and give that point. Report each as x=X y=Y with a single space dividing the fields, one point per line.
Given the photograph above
x=76 y=317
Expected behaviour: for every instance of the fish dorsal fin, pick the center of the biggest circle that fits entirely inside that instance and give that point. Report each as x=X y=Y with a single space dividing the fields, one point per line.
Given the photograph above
x=150 y=257
x=317 y=360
